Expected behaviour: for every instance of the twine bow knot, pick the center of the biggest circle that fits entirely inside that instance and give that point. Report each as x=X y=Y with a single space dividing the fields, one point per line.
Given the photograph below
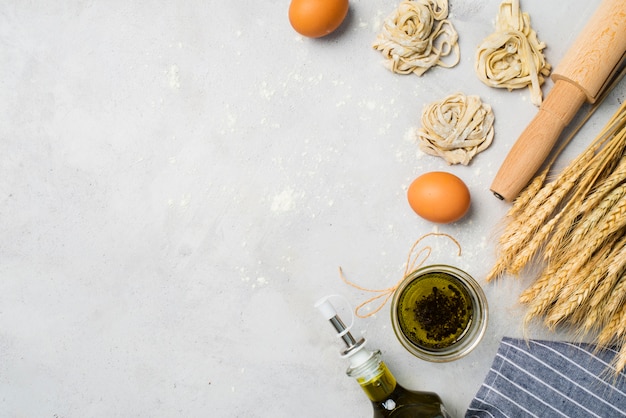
x=413 y=263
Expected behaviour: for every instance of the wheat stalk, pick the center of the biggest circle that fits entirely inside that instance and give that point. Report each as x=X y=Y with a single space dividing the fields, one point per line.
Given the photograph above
x=620 y=359
x=568 y=222
x=540 y=298
x=571 y=262
x=614 y=329
x=587 y=222
x=618 y=259
x=522 y=201
x=617 y=298
x=528 y=252
x=519 y=206
x=579 y=287
x=605 y=187
x=537 y=287
x=576 y=226
x=590 y=317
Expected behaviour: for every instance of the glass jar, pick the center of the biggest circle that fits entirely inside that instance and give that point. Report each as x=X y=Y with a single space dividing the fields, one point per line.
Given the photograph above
x=439 y=313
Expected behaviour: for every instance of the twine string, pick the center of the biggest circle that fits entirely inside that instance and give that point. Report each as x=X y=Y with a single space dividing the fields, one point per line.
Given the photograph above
x=415 y=259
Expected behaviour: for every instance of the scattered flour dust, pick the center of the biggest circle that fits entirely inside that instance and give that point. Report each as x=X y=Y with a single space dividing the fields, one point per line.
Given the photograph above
x=411 y=136
x=463 y=10
x=173 y=76
x=265 y=91
x=260 y=281
x=284 y=201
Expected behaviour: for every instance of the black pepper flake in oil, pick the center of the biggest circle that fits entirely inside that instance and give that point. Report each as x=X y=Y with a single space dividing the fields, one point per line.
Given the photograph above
x=441 y=314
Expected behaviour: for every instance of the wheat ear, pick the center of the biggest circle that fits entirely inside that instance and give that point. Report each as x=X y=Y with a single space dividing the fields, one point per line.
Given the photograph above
x=614 y=328
x=619 y=362
x=579 y=287
x=593 y=315
x=570 y=220
x=528 y=252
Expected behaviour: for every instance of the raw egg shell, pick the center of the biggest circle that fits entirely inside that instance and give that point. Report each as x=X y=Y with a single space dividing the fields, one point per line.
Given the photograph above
x=439 y=197
x=317 y=18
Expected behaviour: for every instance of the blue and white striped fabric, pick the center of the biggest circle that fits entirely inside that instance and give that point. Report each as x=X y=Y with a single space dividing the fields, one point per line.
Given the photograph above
x=536 y=378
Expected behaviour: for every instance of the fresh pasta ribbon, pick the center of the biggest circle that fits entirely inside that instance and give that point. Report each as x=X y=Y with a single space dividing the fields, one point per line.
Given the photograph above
x=457 y=128
x=416 y=36
x=415 y=260
x=512 y=56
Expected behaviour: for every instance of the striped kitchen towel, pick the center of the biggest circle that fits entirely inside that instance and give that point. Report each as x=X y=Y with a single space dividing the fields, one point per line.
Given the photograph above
x=537 y=378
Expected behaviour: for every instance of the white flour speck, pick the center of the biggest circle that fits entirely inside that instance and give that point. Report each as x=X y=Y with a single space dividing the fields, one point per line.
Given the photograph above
x=283 y=202
x=265 y=91
x=184 y=201
x=411 y=134
x=231 y=120
x=370 y=104
x=173 y=75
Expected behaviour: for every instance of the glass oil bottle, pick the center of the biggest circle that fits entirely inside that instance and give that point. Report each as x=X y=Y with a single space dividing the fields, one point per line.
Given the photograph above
x=388 y=397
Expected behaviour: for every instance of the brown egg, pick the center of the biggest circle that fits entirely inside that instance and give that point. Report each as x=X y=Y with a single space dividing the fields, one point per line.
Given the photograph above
x=439 y=197
x=317 y=18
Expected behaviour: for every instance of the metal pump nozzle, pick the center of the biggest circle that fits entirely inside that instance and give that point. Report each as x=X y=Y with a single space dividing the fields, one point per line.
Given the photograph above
x=346 y=336
x=329 y=312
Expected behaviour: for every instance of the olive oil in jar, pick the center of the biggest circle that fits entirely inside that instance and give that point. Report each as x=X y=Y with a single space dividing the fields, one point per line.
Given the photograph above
x=435 y=311
x=439 y=313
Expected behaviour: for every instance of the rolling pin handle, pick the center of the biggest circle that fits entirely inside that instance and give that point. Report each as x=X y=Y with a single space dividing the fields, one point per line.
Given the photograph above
x=538 y=139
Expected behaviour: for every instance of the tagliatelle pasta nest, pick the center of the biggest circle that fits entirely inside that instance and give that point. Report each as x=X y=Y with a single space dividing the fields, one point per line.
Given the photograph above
x=512 y=56
x=416 y=36
x=457 y=128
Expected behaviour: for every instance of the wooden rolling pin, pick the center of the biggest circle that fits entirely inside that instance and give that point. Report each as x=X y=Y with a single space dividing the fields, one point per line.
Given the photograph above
x=580 y=77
